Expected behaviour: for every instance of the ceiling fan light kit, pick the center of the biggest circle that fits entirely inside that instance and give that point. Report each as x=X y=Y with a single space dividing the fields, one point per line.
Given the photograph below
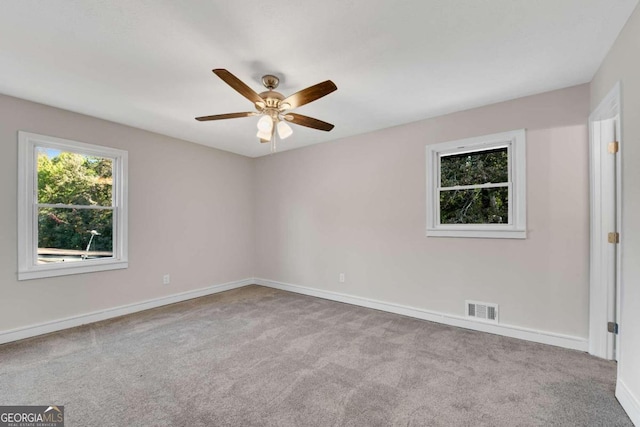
x=264 y=136
x=284 y=130
x=265 y=124
x=274 y=108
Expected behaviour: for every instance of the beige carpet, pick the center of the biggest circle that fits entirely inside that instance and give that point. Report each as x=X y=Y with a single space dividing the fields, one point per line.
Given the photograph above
x=258 y=356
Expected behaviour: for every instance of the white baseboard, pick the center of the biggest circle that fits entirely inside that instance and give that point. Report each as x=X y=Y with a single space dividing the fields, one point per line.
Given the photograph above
x=559 y=340
x=566 y=341
x=96 y=316
x=629 y=402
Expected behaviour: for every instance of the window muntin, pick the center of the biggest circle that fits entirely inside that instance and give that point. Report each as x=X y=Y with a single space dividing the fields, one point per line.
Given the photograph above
x=72 y=210
x=476 y=187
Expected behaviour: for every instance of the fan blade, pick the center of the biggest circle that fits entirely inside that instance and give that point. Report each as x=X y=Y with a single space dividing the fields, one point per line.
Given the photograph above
x=309 y=122
x=264 y=140
x=238 y=85
x=225 y=116
x=309 y=94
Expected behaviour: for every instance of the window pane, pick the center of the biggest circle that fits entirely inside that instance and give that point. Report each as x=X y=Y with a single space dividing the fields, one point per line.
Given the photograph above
x=475 y=206
x=479 y=167
x=73 y=179
x=67 y=235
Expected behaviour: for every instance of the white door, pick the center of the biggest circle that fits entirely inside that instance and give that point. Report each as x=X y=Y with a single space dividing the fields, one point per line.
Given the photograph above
x=604 y=292
x=610 y=144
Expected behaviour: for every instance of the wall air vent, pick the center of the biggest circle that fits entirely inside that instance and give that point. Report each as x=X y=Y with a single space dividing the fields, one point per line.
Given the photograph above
x=482 y=311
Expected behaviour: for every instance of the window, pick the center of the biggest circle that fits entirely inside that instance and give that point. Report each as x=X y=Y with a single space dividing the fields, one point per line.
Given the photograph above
x=476 y=187
x=72 y=213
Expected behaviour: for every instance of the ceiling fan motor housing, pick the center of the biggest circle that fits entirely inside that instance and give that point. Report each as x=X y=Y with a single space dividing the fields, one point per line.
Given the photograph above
x=271 y=98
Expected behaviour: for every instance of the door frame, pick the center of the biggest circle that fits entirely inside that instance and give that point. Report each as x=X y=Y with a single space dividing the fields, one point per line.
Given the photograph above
x=601 y=343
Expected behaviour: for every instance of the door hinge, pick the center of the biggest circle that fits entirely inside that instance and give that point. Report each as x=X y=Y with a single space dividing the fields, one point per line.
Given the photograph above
x=613 y=237
x=612 y=327
x=613 y=147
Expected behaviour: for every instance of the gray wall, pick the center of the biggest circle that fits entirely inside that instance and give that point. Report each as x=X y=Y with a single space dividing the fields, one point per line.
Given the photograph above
x=190 y=215
x=623 y=64
x=355 y=206
x=358 y=206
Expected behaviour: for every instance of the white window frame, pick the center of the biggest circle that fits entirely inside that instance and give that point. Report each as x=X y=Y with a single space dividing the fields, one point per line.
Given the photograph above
x=28 y=267
x=515 y=141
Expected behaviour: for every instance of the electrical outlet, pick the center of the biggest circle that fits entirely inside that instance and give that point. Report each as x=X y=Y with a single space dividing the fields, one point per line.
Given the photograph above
x=166 y=279
x=341 y=278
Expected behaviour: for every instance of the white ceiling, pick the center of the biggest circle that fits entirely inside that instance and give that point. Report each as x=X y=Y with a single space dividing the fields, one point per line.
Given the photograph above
x=147 y=63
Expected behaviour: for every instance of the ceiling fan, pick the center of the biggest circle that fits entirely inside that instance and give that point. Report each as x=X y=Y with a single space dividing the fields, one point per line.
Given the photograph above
x=274 y=107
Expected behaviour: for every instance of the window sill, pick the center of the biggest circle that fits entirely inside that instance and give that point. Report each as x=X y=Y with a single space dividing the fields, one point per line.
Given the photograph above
x=53 y=271
x=478 y=234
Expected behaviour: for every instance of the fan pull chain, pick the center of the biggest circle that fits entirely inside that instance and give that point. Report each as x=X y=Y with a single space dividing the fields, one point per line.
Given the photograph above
x=273 y=143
